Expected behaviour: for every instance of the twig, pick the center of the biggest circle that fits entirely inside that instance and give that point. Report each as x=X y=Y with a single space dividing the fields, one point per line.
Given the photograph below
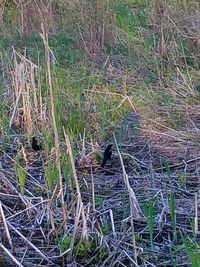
x=5 y=225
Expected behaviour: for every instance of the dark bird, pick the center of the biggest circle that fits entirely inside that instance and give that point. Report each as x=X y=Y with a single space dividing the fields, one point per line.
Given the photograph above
x=35 y=145
x=107 y=155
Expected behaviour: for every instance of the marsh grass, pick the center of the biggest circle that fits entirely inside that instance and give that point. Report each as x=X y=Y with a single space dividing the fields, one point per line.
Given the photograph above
x=21 y=179
x=51 y=175
x=171 y=203
x=150 y=220
x=192 y=248
x=75 y=88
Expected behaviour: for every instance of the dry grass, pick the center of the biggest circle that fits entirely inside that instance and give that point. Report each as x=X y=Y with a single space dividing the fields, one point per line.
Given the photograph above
x=27 y=16
x=27 y=217
x=28 y=108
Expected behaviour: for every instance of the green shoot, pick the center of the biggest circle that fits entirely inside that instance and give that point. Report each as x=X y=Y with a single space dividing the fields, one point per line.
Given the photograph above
x=171 y=203
x=22 y=179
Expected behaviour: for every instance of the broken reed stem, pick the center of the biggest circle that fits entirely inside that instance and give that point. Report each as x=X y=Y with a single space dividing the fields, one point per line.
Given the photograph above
x=80 y=206
x=93 y=191
x=44 y=37
x=134 y=205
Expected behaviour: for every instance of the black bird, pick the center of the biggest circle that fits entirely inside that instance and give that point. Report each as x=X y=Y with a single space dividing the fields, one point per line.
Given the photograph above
x=35 y=145
x=107 y=155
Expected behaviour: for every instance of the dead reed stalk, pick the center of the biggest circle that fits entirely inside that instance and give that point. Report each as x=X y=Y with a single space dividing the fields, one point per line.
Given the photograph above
x=27 y=108
x=80 y=206
x=135 y=210
x=44 y=36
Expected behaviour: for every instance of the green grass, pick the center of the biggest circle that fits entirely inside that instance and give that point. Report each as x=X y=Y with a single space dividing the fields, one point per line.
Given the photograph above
x=171 y=204
x=51 y=175
x=20 y=174
x=129 y=18
x=85 y=249
x=150 y=211
x=193 y=251
x=61 y=44
x=22 y=179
